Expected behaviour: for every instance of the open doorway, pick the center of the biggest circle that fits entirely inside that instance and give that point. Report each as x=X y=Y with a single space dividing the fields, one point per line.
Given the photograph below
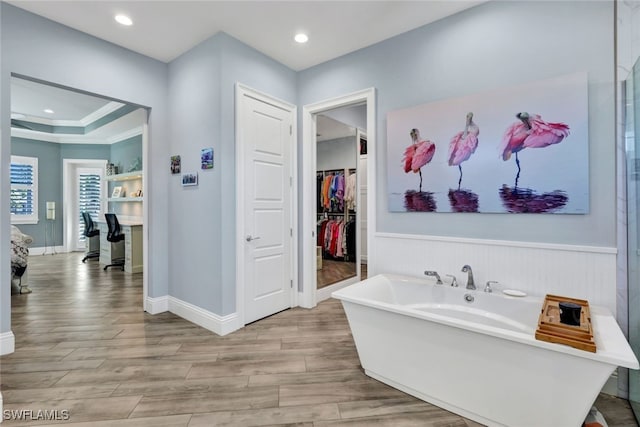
x=69 y=150
x=339 y=178
x=335 y=151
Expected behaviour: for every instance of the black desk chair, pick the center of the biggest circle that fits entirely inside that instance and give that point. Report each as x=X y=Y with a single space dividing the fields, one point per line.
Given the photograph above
x=92 y=235
x=115 y=236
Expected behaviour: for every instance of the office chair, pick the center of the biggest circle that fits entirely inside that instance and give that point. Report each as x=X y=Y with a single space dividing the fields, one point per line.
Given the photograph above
x=115 y=236
x=92 y=235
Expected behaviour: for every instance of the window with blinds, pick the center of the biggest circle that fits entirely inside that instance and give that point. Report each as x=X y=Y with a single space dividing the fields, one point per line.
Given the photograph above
x=88 y=199
x=24 y=190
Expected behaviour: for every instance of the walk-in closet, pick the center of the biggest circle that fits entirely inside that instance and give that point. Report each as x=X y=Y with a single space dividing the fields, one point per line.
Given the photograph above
x=337 y=186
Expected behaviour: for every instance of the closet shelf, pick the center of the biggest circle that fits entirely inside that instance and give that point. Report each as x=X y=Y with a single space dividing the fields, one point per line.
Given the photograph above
x=125 y=199
x=125 y=176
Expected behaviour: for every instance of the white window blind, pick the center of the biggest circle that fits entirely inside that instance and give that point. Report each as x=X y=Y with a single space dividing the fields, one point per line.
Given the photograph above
x=24 y=190
x=88 y=199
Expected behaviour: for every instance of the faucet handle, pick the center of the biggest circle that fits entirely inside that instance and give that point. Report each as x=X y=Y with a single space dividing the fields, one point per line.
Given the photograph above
x=488 y=287
x=454 y=282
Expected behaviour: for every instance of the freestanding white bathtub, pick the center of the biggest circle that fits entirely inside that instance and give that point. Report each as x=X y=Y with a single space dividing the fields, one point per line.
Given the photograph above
x=478 y=359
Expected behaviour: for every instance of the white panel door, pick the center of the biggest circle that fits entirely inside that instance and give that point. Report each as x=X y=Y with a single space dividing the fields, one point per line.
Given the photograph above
x=267 y=200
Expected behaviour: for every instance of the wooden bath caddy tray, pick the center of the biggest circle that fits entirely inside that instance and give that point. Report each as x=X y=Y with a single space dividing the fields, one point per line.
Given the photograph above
x=551 y=330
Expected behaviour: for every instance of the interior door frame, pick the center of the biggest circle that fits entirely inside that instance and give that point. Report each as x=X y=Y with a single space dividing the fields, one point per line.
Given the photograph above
x=308 y=291
x=69 y=172
x=242 y=91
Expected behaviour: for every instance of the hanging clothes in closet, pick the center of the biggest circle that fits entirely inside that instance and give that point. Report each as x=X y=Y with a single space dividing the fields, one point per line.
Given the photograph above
x=332 y=194
x=337 y=238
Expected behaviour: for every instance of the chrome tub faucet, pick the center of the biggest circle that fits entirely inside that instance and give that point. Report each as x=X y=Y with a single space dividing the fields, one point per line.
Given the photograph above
x=470 y=283
x=434 y=274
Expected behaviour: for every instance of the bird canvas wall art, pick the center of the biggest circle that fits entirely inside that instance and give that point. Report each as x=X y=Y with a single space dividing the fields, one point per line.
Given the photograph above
x=522 y=148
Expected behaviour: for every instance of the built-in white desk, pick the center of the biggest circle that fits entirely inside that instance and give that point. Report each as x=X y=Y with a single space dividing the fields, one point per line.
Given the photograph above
x=132 y=231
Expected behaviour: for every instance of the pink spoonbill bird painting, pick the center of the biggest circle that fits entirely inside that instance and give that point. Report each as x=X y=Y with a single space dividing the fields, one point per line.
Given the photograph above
x=532 y=155
x=418 y=154
x=463 y=144
x=531 y=132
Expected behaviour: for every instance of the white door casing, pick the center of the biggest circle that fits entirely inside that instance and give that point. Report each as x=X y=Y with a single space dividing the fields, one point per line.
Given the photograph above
x=76 y=244
x=308 y=296
x=265 y=147
x=70 y=169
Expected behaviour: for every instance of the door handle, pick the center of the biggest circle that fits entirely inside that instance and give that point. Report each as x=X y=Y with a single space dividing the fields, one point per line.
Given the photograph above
x=250 y=238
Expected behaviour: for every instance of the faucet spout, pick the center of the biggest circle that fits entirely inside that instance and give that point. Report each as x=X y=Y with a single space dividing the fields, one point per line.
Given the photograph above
x=434 y=274
x=470 y=283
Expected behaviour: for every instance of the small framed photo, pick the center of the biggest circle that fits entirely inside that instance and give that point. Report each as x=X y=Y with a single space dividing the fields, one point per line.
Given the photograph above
x=117 y=192
x=363 y=146
x=189 y=179
x=175 y=165
x=206 y=158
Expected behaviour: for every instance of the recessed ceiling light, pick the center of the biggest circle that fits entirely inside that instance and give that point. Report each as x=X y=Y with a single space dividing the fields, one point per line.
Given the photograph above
x=301 y=38
x=123 y=20
x=48 y=111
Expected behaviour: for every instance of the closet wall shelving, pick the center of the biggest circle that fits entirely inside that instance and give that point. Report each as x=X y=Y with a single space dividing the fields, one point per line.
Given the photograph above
x=334 y=213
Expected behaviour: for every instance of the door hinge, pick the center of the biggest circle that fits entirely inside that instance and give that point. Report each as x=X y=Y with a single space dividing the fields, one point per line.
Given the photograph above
x=291 y=232
x=291 y=283
x=290 y=130
x=290 y=181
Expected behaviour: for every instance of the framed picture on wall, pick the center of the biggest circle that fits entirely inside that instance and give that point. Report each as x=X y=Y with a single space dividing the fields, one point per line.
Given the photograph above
x=206 y=158
x=175 y=165
x=189 y=179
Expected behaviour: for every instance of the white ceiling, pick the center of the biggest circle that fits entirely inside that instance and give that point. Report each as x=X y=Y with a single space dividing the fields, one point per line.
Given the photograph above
x=165 y=29
x=71 y=108
x=31 y=98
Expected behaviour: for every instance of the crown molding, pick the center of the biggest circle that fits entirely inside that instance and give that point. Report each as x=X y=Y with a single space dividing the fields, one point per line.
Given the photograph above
x=125 y=135
x=57 y=138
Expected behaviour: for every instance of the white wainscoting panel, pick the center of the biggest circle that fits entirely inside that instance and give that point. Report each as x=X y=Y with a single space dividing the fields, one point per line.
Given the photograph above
x=7 y=343
x=585 y=272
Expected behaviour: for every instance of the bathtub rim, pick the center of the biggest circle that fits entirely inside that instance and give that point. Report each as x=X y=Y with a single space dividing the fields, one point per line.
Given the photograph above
x=616 y=351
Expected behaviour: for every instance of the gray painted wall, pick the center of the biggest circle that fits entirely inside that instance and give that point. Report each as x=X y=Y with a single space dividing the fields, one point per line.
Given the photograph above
x=492 y=45
x=336 y=154
x=70 y=58
x=353 y=116
x=50 y=169
x=124 y=153
x=201 y=101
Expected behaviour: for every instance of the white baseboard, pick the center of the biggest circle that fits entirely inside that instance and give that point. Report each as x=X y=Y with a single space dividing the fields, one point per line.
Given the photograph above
x=221 y=325
x=7 y=343
x=157 y=305
x=50 y=250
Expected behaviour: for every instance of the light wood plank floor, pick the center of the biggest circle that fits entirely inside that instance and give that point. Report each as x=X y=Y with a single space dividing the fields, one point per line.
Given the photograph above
x=84 y=345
